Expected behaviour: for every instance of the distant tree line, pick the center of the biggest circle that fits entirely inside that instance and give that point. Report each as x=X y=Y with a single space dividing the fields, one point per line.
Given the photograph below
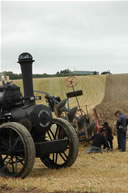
x=62 y=73
x=11 y=75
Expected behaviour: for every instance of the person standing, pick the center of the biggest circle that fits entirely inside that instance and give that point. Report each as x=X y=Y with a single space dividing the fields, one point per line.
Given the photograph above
x=121 y=126
x=108 y=133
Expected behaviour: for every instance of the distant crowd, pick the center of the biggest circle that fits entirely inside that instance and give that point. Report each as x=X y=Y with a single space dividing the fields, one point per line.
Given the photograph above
x=103 y=139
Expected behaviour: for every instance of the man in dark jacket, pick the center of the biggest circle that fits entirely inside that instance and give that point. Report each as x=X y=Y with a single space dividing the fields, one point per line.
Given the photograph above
x=121 y=126
x=98 y=140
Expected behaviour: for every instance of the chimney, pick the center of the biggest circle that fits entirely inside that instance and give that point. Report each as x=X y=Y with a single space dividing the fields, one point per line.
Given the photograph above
x=25 y=60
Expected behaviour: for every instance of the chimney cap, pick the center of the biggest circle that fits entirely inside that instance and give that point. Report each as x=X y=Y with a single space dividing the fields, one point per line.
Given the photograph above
x=25 y=57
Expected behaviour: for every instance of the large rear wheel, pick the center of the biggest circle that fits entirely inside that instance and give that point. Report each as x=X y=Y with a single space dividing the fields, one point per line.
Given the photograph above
x=62 y=129
x=17 y=150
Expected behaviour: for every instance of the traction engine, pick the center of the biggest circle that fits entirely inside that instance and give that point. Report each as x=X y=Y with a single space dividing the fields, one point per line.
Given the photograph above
x=28 y=130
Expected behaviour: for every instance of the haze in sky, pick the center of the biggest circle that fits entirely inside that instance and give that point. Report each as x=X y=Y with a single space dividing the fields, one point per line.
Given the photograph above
x=75 y=35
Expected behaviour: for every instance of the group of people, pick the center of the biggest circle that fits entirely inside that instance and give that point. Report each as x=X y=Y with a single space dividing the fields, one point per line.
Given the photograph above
x=105 y=138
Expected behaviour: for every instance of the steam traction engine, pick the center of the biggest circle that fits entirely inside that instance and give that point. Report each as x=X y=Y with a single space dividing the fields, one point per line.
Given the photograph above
x=28 y=130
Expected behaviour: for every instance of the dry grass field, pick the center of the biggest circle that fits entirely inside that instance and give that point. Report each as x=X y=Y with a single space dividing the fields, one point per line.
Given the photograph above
x=93 y=88
x=105 y=172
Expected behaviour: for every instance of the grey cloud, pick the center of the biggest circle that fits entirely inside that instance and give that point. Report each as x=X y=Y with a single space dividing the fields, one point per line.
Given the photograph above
x=82 y=35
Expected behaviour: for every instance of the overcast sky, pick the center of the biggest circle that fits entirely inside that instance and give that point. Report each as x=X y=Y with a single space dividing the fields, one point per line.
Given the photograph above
x=71 y=35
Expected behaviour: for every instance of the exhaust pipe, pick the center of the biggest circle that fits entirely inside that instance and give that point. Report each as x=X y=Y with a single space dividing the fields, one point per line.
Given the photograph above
x=25 y=60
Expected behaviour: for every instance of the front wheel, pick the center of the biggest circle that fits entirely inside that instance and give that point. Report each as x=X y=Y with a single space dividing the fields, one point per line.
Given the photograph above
x=17 y=150
x=62 y=129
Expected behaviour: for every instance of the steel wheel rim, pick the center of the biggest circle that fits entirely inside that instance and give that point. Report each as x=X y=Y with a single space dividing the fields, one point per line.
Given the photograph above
x=57 y=159
x=12 y=153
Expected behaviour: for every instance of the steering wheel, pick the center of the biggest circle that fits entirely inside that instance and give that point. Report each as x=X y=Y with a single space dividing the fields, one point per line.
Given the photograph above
x=71 y=81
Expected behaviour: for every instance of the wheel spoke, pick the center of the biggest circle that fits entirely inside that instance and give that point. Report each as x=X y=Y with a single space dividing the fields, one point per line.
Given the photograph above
x=5 y=158
x=8 y=162
x=52 y=134
x=59 y=132
x=15 y=165
x=10 y=142
x=14 y=145
x=53 y=157
x=49 y=135
x=13 y=170
x=56 y=158
x=1 y=162
x=56 y=133
x=63 y=156
x=20 y=160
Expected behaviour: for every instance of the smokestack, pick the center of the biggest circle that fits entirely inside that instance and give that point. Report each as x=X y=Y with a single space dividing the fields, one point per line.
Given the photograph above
x=25 y=60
